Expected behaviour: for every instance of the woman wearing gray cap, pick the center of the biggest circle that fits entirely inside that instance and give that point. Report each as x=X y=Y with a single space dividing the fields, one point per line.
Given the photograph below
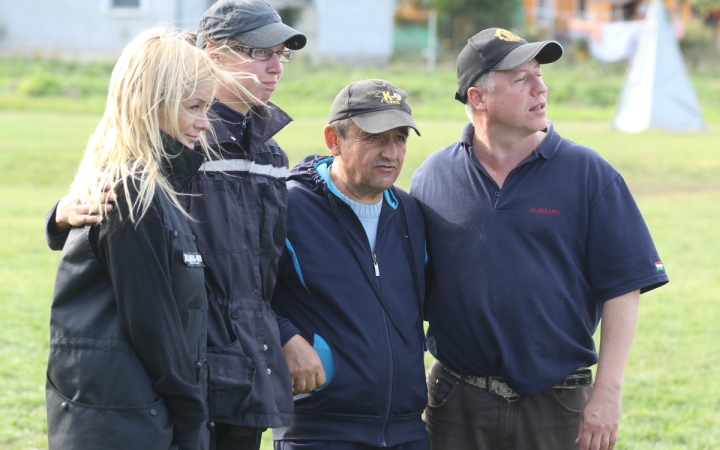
x=239 y=207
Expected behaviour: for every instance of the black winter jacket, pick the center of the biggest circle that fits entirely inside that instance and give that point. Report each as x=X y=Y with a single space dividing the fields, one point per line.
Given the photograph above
x=239 y=205
x=328 y=287
x=128 y=331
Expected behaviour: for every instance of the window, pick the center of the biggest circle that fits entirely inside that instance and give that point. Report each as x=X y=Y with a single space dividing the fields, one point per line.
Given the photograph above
x=125 y=4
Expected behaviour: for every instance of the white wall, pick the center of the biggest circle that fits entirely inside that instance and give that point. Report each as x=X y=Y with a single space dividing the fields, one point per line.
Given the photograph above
x=353 y=31
x=86 y=28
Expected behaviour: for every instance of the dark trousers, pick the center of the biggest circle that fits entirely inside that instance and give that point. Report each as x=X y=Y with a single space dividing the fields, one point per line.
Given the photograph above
x=463 y=416
x=423 y=444
x=231 y=437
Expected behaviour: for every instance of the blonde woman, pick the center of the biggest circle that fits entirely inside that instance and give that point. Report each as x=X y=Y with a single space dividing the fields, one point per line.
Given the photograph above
x=128 y=320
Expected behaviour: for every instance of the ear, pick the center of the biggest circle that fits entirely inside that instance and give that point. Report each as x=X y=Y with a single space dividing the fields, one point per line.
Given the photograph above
x=332 y=140
x=477 y=98
x=214 y=55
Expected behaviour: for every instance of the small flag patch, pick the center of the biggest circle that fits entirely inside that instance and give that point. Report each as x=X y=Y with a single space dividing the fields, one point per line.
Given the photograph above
x=659 y=265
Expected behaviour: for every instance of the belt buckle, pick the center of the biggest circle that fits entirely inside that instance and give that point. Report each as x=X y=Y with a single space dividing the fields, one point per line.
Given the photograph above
x=495 y=386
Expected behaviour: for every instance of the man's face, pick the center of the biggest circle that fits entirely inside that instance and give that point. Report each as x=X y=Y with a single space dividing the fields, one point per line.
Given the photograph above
x=518 y=103
x=268 y=72
x=367 y=164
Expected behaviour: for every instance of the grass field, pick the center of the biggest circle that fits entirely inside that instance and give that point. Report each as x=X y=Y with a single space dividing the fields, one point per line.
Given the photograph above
x=671 y=397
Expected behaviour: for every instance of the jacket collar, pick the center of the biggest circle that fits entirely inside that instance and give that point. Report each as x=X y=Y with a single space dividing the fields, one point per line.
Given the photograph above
x=182 y=164
x=322 y=168
x=262 y=123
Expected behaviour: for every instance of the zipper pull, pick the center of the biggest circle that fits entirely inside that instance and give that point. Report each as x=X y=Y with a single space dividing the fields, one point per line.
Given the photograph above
x=377 y=268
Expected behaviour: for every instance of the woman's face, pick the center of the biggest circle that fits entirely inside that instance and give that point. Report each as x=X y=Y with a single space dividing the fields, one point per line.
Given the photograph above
x=192 y=116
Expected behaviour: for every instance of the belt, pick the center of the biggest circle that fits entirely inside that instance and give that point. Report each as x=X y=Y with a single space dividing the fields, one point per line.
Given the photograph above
x=495 y=385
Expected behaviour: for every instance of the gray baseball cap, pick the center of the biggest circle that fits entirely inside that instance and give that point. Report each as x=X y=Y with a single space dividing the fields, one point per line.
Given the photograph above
x=252 y=22
x=376 y=106
x=498 y=49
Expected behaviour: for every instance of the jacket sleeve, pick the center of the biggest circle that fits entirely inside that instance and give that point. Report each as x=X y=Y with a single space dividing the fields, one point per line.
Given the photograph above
x=53 y=241
x=287 y=329
x=138 y=262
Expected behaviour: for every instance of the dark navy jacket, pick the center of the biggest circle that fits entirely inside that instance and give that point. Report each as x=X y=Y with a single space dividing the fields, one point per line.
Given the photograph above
x=239 y=207
x=327 y=286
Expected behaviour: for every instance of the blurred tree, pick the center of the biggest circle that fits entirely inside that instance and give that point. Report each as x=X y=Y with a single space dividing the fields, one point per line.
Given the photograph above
x=703 y=6
x=465 y=18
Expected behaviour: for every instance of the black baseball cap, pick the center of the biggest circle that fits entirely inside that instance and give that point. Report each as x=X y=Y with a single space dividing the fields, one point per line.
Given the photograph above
x=252 y=22
x=376 y=106
x=498 y=49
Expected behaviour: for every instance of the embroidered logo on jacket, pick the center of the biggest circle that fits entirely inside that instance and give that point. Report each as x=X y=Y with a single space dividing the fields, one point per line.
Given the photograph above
x=659 y=265
x=551 y=212
x=193 y=259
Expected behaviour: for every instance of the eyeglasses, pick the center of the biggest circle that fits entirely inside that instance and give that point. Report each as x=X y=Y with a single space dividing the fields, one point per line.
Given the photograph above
x=264 y=54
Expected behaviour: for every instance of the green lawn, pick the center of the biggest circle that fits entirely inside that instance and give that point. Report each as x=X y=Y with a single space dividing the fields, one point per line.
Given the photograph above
x=672 y=396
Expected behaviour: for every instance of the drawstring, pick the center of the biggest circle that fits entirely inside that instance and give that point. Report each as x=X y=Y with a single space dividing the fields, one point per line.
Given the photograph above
x=210 y=424
x=373 y=283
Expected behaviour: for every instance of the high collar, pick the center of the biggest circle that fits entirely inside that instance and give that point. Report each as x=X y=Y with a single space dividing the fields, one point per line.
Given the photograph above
x=182 y=164
x=547 y=148
x=262 y=123
x=314 y=171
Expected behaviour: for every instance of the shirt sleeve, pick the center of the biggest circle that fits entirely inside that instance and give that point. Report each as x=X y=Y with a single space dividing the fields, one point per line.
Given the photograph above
x=621 y=254
x=55 y=242
x=138 y=262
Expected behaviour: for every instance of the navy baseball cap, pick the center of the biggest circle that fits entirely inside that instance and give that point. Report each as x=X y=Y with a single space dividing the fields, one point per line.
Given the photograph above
x=498 y=49
x=253 y=22
x=376 y=106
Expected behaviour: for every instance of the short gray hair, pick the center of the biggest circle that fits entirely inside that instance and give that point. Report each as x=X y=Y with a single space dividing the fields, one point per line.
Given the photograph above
x=486 y=82
x=341 y=126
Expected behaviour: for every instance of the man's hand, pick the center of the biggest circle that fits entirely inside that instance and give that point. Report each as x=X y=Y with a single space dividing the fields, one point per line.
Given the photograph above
x=71 y=212
x=600 y=419
x=306 y=370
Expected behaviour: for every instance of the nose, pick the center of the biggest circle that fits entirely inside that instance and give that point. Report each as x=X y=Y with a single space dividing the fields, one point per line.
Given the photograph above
x=539 y=87
x=390 y=150
x=202 y=123
x=274 y=66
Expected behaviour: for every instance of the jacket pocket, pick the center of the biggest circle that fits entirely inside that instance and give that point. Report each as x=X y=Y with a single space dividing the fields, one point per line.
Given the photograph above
x=230 y=379
x=73 y=425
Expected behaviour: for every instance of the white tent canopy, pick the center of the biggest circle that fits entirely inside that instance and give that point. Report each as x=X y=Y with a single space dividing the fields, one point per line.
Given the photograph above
x=657 y=91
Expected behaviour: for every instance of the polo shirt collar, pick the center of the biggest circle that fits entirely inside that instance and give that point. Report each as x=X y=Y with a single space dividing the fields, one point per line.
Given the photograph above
x=547 y=148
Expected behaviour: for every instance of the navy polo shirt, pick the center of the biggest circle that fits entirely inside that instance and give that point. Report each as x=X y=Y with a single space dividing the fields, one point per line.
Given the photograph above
x=519 y=274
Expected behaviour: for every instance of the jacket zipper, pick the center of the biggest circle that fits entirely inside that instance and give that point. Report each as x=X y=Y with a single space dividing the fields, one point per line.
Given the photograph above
x=391 y=366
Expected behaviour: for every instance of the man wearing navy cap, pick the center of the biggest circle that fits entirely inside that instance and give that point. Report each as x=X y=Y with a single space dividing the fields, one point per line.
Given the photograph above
x=531 y=240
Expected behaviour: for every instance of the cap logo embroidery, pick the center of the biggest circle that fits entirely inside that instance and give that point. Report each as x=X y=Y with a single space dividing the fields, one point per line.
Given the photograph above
x=506 y=35
x=391 y=98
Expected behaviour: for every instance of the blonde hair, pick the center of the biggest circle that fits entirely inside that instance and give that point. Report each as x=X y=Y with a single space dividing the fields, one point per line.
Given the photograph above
x=154 y=73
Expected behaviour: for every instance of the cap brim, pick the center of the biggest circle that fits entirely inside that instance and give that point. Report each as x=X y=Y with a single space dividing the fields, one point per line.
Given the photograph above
x=545 y=52
x=384 y=120
x=273 y=34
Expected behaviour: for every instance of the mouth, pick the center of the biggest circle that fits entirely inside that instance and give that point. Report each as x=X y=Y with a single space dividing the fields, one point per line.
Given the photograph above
x=270 y=84
x=538 y=108
x=192 y=139
x=386 y=168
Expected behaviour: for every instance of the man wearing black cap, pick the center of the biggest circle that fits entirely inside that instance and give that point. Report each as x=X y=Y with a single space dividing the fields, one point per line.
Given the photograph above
x=239 y=207
x=531 y=240
x=351 y=282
